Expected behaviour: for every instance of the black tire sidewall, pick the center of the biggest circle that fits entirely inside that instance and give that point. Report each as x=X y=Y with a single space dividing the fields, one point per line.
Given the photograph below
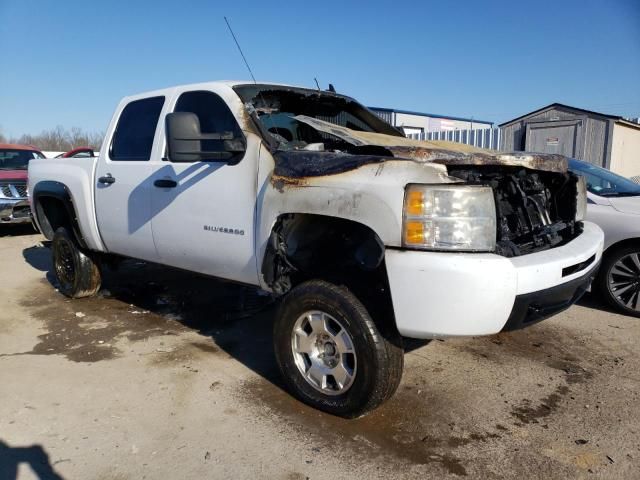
x=603 y=278
x=341 y=304
x=86 y=280
x=61 y=237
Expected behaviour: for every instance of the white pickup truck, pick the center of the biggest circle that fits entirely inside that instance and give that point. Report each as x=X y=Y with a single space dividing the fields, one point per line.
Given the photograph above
x=366 y=235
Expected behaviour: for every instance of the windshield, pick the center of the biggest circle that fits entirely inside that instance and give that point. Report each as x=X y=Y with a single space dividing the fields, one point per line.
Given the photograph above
x=603 y=182
x=11 y=159
x=276 y=107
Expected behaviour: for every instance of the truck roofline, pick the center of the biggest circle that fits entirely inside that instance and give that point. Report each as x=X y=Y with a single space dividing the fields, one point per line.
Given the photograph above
x=206 y=85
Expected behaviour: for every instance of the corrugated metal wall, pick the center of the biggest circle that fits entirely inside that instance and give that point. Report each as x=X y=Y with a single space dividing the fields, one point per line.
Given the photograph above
x=486 y=138
x=594 y=133
x=384 y=115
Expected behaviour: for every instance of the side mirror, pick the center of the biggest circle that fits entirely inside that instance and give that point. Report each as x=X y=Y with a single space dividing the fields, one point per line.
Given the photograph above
x=184 y=140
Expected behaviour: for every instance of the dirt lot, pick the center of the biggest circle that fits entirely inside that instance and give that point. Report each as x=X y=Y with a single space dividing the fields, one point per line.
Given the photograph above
x=167 y=375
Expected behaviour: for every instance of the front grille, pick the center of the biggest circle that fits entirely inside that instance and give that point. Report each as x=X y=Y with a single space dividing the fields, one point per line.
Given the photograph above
x=14 y=189
x=535 y=209
x=21 y=189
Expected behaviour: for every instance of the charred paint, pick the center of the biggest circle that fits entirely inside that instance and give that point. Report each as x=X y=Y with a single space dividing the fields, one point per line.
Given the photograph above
x=297 y=164
x=446 y=153
x=280 y=182
x=303 y=163
x=349 y=148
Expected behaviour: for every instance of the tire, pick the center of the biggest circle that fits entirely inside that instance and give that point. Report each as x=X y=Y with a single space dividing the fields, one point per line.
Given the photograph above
x=310 y=324
x=77 y=273
x=618 y=280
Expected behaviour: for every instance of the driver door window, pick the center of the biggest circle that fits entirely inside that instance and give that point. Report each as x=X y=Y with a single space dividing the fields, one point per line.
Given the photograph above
x=214 y=116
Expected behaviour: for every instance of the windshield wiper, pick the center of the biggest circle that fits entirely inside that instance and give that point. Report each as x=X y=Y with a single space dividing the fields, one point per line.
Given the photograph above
x=628 y=194
x=618 y=194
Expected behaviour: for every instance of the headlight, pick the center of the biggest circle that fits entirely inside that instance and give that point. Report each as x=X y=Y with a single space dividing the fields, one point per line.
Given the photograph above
x=449 y=217
x=581 y=198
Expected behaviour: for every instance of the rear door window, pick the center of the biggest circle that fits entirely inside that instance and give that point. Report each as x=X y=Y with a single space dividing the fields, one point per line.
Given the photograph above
x=133 y=137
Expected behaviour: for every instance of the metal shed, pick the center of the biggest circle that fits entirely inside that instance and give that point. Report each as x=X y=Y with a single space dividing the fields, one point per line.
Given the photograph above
x=608 y=141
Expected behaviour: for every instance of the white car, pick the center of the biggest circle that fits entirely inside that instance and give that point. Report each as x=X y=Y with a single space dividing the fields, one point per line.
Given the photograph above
x=614 y=205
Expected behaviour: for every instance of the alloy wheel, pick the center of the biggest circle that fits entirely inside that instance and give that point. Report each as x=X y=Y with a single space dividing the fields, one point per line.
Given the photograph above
x=324 y=352
x=623 y=281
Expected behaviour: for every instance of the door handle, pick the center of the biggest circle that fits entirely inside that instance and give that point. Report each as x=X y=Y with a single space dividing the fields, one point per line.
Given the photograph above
x=108 y=179
x=165 y=183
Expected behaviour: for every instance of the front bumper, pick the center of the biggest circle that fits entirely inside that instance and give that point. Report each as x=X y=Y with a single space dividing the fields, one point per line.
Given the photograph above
x=14 y=210
x=530 y=308
x=439 y=294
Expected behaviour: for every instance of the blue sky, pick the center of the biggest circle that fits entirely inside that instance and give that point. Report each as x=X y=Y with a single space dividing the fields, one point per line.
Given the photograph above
x=69 y=62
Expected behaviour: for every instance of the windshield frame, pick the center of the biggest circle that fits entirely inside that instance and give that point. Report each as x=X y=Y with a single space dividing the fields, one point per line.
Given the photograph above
x=630 y=188
x=253 y=93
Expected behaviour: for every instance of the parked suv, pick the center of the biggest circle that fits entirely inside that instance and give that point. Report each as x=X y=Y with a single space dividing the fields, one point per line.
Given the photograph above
x=14 y=203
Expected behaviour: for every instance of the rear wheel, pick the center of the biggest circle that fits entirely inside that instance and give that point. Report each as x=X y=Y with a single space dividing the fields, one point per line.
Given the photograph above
x=330 y=352
x=619 y=279
x=77 y=273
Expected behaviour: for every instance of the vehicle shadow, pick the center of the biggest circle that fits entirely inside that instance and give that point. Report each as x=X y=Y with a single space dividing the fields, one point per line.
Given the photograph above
x=17 y=230
x=34 y=456
x=593 y=300
x=237 y=318
x=38 y=256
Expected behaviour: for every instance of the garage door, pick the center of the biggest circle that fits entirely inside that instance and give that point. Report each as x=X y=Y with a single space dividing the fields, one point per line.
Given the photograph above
x=555 y=137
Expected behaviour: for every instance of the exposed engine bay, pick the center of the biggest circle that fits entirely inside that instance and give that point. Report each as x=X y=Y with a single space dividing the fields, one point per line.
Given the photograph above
x=314 y=133
x=534 y=210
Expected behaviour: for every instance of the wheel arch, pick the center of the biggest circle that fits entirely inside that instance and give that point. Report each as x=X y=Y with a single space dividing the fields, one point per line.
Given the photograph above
x=627 y=242
x=53 y=207
x=302 y=246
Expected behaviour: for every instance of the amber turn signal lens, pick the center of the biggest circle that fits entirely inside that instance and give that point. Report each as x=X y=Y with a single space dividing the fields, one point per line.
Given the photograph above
x=415 y=202
x=414 y=232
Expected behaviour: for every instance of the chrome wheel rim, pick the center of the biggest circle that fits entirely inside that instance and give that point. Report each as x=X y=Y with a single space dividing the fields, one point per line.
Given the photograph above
x=624 y=281
x=324 y=353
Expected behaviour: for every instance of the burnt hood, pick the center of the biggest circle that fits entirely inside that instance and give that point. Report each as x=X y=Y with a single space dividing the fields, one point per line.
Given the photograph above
x=446 y=153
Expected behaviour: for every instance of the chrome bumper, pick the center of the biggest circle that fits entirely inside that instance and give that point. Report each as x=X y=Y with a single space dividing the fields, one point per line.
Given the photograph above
x=14 y=210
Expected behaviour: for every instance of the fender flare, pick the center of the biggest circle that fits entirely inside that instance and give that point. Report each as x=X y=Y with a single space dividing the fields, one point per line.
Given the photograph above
x=60 y=192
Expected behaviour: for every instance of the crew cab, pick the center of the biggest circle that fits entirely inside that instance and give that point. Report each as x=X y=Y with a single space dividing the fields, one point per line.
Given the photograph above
x=14 y=203
x=365 y=236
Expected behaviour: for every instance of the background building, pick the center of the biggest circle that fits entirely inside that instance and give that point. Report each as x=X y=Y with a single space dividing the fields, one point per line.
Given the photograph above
x=417 y=123
x=608 y=141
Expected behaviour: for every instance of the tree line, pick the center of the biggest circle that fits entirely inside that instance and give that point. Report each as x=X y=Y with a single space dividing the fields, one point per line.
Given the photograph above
x=58 y=139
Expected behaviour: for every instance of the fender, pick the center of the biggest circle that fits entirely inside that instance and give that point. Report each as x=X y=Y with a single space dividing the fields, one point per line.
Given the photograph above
x=60 y=192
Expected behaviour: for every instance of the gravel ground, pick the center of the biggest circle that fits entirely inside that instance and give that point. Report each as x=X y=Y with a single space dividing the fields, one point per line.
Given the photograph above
x=169 y=375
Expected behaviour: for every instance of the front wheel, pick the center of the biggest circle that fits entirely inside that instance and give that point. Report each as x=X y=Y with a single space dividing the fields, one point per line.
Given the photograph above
x=77 y=273
x=619 y=279
x=330 y=352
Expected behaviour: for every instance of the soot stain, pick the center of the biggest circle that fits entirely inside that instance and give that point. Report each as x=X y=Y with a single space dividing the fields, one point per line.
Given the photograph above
x=541 y=345
x=528 y=413
x=138 y=301
x=87 y=330
x=183 y=354
x=418 y=429
x=205 y=347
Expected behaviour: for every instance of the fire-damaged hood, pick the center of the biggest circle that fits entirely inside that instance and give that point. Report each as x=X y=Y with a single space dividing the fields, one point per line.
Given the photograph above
x=389 y=146
x=362 y=176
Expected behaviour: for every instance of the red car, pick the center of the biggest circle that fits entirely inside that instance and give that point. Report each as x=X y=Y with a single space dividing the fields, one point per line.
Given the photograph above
x=80 y=152
x=14 y=202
